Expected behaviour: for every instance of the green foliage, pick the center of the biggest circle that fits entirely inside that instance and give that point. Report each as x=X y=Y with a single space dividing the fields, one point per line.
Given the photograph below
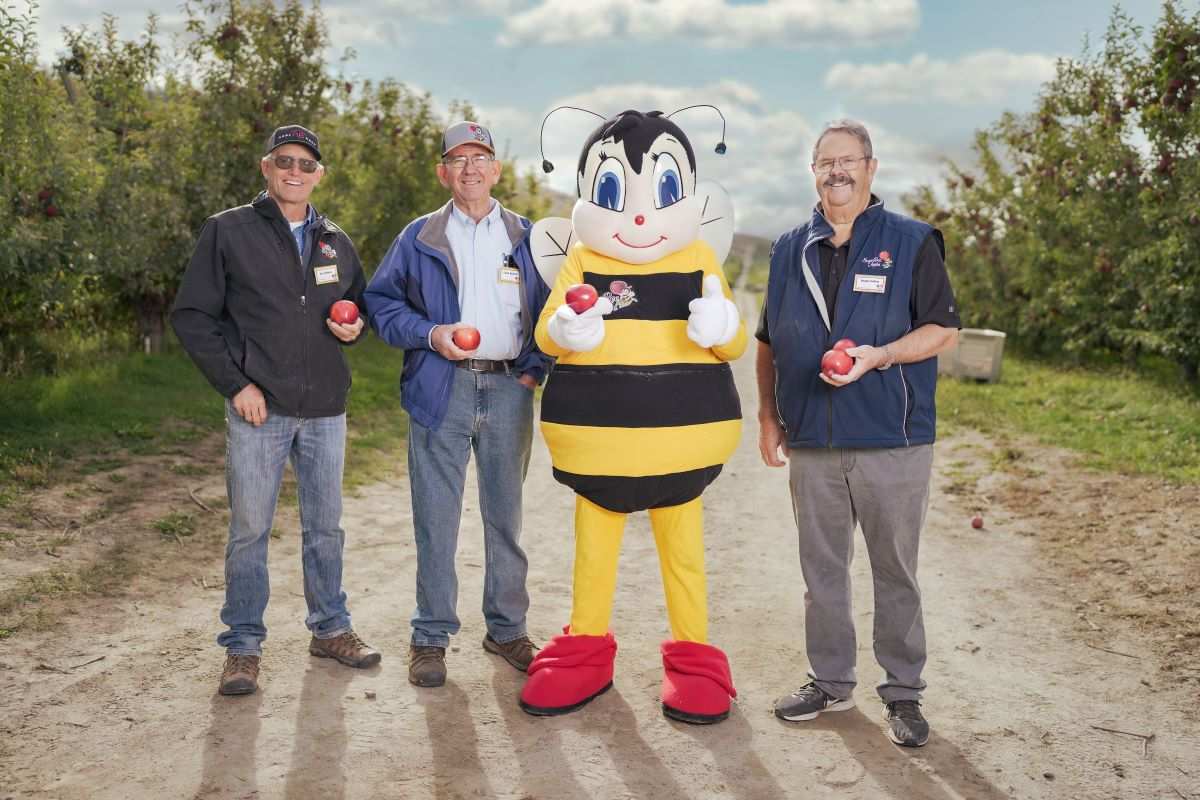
x=1079 y=231
x=1118 y=419
x=116 y=154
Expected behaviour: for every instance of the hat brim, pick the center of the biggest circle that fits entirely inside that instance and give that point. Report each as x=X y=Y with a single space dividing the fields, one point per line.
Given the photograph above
x=305 y=145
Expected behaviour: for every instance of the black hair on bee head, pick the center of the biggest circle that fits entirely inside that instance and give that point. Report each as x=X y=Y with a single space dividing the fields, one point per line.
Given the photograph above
x=638 y=131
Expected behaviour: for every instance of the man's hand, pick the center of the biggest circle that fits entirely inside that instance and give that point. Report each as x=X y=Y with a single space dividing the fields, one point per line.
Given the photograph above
x=250 y=405
x=772 y=441
x=345 y=333
x=714 y=318
x=579 y=332
x=528 y=381
x=866 y=358
x=442 y=340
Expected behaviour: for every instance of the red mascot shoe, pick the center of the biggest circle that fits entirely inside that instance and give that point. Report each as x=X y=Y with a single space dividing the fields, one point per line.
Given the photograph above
x=568 y=673
x=696 y=683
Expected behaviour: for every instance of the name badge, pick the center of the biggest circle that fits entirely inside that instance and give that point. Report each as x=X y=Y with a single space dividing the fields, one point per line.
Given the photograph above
x=875 y=284
x=326 y=274
x=510 y=275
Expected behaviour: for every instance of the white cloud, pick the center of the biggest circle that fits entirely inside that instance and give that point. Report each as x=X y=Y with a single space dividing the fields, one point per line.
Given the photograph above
x=714 y=23
x=766 y=169
x=975 y=79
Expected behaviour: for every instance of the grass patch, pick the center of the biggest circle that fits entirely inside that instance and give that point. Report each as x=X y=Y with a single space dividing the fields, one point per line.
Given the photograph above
x=1119 y=420
x=23 y=607
x=176 y=524
x=147 y=404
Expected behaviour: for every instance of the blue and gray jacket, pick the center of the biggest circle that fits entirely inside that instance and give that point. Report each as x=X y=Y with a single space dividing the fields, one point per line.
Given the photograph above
x=889 y=408
x=416 y=288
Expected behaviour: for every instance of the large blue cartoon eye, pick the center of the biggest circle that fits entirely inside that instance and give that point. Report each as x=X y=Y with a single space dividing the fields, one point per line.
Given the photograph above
x=668 y=187
x=608 y=189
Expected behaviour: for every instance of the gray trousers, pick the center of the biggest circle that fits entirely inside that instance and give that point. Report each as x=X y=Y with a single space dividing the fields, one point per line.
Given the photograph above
x=886 y=491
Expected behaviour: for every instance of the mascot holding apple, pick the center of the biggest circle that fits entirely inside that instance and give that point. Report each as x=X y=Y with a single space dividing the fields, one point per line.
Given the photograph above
x=640 y=411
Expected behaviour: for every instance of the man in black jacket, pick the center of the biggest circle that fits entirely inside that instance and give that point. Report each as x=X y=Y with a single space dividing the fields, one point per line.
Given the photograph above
x=253 y=313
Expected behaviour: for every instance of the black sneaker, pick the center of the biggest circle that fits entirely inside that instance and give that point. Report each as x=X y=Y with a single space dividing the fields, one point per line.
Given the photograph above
x=807 y=702
x=906 y=725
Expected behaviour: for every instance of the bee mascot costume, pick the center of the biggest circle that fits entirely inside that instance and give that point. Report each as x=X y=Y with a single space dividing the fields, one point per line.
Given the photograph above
x=640 y=411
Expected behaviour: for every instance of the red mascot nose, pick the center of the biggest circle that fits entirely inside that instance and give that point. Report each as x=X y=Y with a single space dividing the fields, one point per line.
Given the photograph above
x=639 y=220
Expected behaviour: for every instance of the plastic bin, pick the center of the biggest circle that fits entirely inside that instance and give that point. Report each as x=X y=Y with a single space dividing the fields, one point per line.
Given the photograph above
x=977 y=355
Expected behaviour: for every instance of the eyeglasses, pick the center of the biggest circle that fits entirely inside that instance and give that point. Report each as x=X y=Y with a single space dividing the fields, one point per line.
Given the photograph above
x=306 y=164
x=479 y=161
x=847 y=163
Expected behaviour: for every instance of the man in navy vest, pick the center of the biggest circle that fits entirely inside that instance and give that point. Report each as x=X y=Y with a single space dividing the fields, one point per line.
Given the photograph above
x=860 y=445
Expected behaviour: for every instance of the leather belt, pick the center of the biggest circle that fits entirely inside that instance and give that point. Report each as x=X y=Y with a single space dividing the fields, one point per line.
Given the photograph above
x=485 y=365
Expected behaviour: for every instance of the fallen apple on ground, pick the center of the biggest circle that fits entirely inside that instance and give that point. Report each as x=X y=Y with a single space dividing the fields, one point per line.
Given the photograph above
x=977 y=521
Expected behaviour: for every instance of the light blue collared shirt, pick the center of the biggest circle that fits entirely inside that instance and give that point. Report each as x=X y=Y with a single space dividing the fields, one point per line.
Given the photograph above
x=489 y=291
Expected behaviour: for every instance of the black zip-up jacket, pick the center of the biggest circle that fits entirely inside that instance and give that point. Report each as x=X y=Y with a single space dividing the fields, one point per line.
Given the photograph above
x=248 y=312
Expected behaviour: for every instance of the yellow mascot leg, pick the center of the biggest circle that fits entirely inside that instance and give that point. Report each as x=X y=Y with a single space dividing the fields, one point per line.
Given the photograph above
x=598 y=533
x=679 y=534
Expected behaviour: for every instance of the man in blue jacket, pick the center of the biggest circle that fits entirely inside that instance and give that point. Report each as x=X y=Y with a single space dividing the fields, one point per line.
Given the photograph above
x=465 y=266
x=860 y=445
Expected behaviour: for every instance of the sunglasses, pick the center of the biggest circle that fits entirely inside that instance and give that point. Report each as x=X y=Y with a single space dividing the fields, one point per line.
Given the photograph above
x=306 y=164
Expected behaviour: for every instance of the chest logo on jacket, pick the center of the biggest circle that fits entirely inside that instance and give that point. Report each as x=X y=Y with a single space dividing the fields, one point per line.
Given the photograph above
x=881 y=261
x=327 y=251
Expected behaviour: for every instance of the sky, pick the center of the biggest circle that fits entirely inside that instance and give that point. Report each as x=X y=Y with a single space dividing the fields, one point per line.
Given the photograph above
x=923 y=75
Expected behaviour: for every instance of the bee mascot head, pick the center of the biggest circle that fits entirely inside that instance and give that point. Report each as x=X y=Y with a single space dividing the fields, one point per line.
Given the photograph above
x=637 y=189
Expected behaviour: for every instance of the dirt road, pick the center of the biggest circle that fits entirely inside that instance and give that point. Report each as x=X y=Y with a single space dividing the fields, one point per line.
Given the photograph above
x=1018 y=689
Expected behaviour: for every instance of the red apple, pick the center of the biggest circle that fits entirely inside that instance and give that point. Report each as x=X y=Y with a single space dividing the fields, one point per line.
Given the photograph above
x=466 y=338
x=343 y=312
x=977 y=521
x=581 y=297
x=52 y=210
x=836 y=362
x=844 y=344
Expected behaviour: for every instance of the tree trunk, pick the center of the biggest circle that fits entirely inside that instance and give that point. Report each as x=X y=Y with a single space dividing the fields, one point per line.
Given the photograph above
x=152 y=323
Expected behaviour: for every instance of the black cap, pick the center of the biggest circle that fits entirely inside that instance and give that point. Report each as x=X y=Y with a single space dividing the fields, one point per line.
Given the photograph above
x=294 y=134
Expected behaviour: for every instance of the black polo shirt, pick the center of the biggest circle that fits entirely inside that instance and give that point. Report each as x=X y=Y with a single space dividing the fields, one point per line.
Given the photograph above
x=931 y=300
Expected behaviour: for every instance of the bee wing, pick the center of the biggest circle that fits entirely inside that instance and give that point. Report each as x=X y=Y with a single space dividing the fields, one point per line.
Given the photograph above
x=550 y=241
x=716 y=217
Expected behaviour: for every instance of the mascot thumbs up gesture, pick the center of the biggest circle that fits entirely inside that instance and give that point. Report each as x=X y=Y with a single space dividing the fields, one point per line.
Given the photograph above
x=640 y=411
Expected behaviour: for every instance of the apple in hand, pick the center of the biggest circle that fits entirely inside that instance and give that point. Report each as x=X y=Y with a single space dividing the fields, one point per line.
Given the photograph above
x=844 y=344
x=581 y=297
x=466 y=338
x=836 y=362
x=344 y=312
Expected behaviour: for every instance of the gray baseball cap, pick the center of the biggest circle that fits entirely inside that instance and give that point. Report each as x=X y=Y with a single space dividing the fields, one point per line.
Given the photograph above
x=467 y=133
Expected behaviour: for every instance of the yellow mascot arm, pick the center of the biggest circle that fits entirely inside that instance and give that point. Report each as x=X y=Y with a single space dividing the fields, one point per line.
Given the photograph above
x=570 y=274
x=737 y=345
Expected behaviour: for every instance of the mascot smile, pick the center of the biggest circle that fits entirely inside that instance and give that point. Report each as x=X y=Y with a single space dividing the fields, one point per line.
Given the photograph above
x=640 y=412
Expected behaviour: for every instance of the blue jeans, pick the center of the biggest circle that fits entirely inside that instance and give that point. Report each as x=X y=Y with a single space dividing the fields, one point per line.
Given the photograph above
x=492 y=414
x=254 y=462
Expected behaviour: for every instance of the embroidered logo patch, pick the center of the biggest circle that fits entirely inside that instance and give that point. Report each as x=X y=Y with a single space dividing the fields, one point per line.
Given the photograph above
x=881 y=261
x=328 y=251
x=621 y=295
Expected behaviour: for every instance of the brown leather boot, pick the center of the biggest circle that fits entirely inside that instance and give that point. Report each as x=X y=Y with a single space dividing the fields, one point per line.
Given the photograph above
x=518 y=652
x=426 y=665
x=349 y=649
x=240 y=675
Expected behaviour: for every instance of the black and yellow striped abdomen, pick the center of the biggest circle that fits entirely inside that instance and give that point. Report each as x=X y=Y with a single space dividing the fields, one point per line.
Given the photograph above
x=646 y=419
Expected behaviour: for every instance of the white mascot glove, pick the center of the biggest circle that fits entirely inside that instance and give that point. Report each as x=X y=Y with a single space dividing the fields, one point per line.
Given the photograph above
x=579 y=332
x=714 y=318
